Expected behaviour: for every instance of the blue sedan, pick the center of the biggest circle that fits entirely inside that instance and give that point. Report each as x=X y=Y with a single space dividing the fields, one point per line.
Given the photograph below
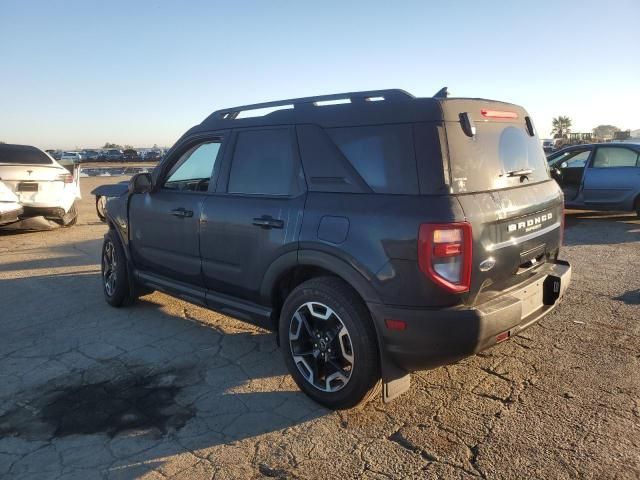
x=602 y=176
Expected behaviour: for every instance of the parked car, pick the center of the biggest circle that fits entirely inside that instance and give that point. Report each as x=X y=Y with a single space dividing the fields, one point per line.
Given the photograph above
x=55 y=154
x=90 y=155
x=43 y=186
x=112 y=155
x=10 y=208
x=378 y=236
x=548 y=146
x=152 y=156
x=601 y=176
x=70 y=158
x=130 y=155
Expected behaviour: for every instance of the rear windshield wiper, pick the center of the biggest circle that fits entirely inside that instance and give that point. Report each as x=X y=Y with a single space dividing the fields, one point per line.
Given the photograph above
x=523 y=172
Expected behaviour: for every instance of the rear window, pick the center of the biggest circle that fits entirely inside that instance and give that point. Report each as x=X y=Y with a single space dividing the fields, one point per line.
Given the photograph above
x=483 y=162
x=382 y=155
x=23 y=155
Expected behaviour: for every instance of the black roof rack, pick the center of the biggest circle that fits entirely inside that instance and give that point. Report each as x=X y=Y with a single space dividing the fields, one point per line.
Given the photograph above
x=353 y=97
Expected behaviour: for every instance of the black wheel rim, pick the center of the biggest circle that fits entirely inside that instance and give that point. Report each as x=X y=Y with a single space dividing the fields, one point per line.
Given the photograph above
x=321 y=347
x=109 y=264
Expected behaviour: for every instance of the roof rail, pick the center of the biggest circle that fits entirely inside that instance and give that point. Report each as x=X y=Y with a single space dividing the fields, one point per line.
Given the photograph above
x=353 y=97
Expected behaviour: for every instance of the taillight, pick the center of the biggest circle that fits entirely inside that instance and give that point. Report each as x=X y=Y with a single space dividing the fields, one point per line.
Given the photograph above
x=444 y=254
x=65 y=177
x=498 y=114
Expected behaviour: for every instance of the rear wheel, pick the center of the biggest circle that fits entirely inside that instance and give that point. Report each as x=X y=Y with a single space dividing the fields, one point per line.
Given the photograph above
x=115 y=281
x=329 y=343
x=70 y=218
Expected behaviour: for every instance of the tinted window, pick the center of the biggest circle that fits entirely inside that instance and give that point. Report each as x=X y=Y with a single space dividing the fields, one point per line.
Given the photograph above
x=263 y=163
x=483 y=162
x=22 y=154
x=193 y=170
x=382 y=155
x=609 y=157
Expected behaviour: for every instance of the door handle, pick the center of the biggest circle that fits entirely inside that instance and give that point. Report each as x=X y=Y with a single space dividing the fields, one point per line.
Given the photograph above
x=182 y=212
x=268 y=222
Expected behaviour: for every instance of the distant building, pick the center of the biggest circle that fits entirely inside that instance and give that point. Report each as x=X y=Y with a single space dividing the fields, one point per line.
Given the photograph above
x=622 y=135
x=577 y=137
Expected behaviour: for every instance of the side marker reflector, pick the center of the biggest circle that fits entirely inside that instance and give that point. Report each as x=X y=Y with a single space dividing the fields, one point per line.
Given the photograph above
x=395 y=324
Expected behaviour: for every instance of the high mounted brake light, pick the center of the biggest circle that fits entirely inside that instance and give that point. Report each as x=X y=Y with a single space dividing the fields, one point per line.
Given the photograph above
x=445 y=254
x=498 y=114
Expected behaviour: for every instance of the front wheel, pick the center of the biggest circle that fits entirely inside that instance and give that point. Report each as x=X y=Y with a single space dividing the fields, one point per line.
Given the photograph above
x=115 y=281
x=329 y=343
x=101 y=207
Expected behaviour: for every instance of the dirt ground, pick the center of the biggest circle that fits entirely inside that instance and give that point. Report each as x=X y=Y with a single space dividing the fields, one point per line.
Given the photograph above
x=165 y=389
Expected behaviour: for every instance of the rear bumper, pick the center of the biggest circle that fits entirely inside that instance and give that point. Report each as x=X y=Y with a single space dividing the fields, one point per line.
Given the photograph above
x=438 y=337
x=55 y=213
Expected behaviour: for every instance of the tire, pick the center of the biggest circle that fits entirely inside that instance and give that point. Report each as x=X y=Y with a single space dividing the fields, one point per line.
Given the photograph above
x=114 y=275
x=70 y=218
x=336 y=369
x=100 y=207
x=636 y=206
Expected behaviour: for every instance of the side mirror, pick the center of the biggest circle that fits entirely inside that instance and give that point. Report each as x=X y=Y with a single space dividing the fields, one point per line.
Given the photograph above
x=140 y=183
x=563 y=165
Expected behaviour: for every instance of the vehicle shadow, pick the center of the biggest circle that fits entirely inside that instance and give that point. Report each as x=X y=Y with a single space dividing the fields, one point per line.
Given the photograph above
x=72 y=254
x=612 y=228
x=631 y=297
x=152 y=381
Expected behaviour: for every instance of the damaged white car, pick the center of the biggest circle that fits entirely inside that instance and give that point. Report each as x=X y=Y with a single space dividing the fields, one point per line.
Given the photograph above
x=10 y=209
x=43 y=186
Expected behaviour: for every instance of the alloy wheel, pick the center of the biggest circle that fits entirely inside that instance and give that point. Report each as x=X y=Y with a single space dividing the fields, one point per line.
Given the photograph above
x=321 y=347
x=109 y=264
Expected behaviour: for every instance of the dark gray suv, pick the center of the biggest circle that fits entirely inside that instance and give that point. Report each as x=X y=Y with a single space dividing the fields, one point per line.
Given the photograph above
x=376 y=232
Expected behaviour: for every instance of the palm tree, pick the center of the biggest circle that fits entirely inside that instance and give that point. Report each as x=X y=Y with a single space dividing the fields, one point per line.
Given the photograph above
x=561 y=127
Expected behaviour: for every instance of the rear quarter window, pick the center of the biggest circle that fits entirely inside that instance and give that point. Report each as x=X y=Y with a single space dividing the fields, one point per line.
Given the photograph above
x=383 y=155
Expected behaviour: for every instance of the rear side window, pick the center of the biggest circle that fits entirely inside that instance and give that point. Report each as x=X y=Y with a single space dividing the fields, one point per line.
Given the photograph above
x=484 y=162
x=611 y=157
x=23 y=155
x=264 y=163
x=382 y=155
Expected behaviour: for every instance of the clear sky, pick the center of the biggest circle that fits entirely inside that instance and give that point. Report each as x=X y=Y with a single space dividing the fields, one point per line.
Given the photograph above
x=81 y=73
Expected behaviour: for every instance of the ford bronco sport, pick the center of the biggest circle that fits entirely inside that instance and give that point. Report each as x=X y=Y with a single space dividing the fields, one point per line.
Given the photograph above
x=376 y=232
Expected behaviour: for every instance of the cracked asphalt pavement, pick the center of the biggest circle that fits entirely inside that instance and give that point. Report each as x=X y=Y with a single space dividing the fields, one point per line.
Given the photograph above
x=165 y=389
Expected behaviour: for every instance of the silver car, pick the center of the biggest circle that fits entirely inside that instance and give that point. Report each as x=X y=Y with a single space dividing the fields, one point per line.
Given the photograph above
x=603 y=176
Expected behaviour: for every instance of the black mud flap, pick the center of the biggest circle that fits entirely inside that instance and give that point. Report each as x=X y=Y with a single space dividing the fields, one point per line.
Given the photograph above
x=395 y=380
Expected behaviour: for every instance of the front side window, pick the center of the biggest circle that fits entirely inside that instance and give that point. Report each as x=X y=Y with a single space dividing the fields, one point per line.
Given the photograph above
x=572 y=159
x=192 y=172
x=611 y=157
x=263 y=163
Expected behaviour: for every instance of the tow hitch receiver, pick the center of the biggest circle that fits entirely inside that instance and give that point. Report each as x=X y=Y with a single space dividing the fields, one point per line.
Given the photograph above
x=551 y=290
